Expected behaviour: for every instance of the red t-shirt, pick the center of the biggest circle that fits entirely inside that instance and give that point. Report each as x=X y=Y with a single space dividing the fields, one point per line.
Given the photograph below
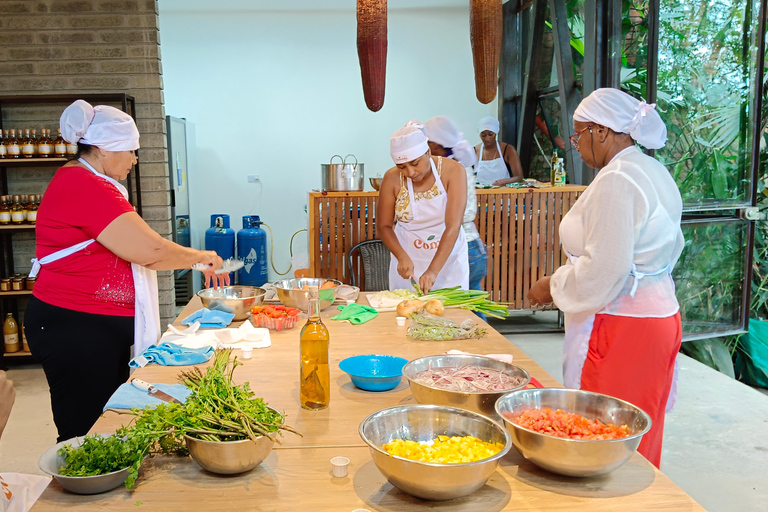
x=76 y=207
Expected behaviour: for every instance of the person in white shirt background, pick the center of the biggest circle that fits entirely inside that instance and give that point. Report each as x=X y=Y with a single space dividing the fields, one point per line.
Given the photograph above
x=622 y=238
x=497 y=163
x=446 y=140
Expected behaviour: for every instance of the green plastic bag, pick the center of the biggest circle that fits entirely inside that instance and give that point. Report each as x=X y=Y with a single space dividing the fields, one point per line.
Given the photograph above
x=750 y=361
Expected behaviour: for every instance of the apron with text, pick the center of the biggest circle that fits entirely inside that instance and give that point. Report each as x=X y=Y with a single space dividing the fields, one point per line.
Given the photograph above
x=420 y=238
x=578 y=332
x=488 y=171
x=147 y=303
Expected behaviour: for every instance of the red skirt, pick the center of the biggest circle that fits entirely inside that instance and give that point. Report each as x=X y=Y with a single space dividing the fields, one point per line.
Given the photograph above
x=634 y=359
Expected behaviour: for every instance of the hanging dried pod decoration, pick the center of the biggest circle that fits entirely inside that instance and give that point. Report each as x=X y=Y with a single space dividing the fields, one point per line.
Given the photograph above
x=485 y=29
x=372 y=50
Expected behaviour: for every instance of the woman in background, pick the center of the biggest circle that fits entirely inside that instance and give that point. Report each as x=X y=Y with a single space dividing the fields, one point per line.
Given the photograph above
x=497 y=163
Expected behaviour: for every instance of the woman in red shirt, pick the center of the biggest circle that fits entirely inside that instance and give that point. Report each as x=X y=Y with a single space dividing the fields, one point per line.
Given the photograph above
x=96 y=260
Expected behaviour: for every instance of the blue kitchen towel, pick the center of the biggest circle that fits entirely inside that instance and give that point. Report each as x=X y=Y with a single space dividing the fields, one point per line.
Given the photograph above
x=128 y=396
x=208 y=318
x=170 y=354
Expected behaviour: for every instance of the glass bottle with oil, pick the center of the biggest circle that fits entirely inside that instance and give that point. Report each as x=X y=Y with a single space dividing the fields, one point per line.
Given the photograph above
x=315 y=376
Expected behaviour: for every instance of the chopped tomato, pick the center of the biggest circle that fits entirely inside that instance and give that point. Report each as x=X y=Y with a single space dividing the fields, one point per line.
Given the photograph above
x=559 y=423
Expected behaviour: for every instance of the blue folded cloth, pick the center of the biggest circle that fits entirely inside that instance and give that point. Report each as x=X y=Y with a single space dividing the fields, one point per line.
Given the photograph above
x=208 y=318
x=128 y=396
x=170 y=354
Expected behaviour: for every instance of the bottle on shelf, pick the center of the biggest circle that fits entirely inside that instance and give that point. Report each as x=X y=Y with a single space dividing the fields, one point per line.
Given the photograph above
x=5 y=211
x=34 y=202
x=314 y=340
x=45 y=145
x=28 y=148
x=17 y=212
x=24 y=201
x=3 y=148
x=24 y=345
x=59 y=145
x=71 y=149
x=10 y=334
x=13 y=146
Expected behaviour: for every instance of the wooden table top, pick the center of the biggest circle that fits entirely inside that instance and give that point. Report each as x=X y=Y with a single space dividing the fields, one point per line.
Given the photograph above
x=298 y=472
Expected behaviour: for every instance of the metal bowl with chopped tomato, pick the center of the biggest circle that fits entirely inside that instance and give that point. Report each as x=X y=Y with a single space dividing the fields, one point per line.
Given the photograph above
x=276 y=318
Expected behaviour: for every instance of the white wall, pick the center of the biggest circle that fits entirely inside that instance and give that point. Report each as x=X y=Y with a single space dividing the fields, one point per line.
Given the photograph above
x=277 y=93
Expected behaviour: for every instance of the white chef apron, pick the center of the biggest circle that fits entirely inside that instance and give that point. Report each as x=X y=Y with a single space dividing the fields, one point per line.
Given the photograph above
x=578 y=332
x=488 y=171
x=421 y=236
x=146 y=303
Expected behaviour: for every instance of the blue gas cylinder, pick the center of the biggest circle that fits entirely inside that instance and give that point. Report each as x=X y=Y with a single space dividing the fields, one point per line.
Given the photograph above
x=220 y=238
x=252 y=249
x=182 y=231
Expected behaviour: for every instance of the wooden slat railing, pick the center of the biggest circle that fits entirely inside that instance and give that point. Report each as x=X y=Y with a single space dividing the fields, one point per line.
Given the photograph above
x=519 y=227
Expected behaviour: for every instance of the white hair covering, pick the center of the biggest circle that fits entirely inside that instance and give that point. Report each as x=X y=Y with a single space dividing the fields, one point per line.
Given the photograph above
x=443 y=131
x=623 y=114
x=102 y=126
x=489 y=123
x=409 y=142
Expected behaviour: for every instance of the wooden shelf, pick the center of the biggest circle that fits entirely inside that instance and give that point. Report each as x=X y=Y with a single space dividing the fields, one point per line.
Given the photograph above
x=17 y=227
x=31 y=162
x=20 y=353
x=15 y=293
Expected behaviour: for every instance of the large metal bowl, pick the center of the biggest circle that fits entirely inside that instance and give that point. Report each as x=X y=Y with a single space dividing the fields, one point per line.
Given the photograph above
x=233 y=299
x=229 y=457
x=290 y=292
x=425 y=480
x=51 y=462
x=480 y=402
x=575 y=457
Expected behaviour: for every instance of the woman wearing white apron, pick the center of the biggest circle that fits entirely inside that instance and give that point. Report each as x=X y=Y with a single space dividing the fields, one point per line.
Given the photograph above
x=497 y=164
x=622 y=237
x=419 y=215
x=96 y=292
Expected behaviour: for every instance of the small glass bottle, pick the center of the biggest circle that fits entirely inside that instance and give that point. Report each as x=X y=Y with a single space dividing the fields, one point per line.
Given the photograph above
x=34 y=201
x=45 y=145
x=59 y=145
x=314 y=340
x=11 y=334
x=3 y=148
x=13 y=145
x=17 y=212
x=71 y=149
x=5 y=211
x=24 y=201
x=28 y=147
x=559 y=173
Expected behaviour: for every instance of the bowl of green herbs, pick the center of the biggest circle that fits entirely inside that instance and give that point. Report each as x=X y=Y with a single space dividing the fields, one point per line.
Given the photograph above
x=93 y=464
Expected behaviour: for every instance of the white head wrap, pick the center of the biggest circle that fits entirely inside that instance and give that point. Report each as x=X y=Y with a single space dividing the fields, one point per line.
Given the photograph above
x=489 y=123
x=443 y=131
x=623 y=114
x=409 y=142
x=102 y=126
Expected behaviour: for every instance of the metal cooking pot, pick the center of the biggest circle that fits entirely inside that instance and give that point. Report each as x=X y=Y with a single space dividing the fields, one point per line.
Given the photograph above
x=342 y=177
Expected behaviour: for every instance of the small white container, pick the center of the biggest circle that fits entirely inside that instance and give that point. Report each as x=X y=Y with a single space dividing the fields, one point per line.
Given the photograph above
x=340 y=465
x=400 y=320
x=247 y=352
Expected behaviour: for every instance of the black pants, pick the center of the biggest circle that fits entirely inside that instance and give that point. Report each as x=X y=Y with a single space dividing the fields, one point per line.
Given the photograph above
x=85 y=359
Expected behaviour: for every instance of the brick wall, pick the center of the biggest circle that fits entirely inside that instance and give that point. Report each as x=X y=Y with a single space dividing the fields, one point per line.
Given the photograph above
x=80 y=47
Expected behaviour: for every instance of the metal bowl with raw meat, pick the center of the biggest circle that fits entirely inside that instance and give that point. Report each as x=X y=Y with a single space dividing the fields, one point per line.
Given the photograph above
x=423 y=423
x=420 y=372
x=574 y=457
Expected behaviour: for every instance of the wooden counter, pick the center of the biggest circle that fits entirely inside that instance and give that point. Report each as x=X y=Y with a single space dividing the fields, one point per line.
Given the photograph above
x=297 y=474
x=521 y=248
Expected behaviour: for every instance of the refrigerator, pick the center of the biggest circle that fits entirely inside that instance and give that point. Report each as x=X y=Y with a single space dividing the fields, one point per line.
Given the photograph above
x=177 y=132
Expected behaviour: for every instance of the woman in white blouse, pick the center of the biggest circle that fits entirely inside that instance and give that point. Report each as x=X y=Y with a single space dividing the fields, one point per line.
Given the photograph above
x=622 y=238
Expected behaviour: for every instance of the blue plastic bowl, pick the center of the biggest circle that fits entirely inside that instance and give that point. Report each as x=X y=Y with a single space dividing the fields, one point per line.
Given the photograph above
x=374 y=372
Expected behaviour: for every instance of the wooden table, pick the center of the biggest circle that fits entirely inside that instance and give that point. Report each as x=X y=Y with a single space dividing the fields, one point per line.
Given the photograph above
x=297 y=474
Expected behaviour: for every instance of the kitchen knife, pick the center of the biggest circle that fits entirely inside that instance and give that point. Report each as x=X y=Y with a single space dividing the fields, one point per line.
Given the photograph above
x=153 y=391
x=416 y=286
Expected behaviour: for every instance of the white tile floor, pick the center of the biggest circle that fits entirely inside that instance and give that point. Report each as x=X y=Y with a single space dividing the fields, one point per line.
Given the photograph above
x=715 y=444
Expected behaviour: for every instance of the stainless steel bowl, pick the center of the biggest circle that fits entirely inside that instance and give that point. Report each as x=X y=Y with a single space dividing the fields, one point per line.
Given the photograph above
x=233 y=299
x=480 y=402
x=229 y=457
x=290 y=292
x=50 y=462
x=423 y=423
x=575 y=457
x=375 y=183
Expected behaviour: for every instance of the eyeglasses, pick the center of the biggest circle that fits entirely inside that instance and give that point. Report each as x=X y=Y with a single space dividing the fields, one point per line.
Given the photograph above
x=576 y=136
